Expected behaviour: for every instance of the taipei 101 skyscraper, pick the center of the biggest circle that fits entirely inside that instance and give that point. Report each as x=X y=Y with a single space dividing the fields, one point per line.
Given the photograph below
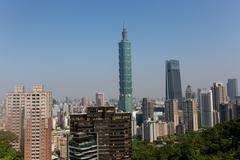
x=125 y=74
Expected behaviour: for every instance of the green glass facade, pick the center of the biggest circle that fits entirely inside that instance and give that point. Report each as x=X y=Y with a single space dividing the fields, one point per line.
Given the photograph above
x=125 y=74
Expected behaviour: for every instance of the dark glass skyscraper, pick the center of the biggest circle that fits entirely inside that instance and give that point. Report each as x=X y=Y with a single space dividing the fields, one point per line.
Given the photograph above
x=232 y=88
x=173 y=81
x=125 y=74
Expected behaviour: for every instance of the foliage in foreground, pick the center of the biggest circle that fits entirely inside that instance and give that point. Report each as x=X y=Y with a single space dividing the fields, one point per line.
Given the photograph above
x=219 y=143
x=6 y=150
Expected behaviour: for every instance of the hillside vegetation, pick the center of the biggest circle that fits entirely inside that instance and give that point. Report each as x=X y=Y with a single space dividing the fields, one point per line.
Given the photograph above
x=221 y=142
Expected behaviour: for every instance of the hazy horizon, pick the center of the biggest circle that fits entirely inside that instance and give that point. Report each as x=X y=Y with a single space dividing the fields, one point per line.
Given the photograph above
x=72 y=47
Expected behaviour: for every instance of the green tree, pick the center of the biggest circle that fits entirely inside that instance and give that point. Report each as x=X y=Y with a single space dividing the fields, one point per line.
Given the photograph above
x=221 y=142
x=6 y=150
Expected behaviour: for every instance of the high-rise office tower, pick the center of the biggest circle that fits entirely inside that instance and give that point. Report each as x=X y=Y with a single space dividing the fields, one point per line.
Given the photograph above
x=173 y=81
x=37 y=124
x=225 y=112
x=99 y=99
x=206 y=108
x=147 y=109
x=199 y=108
x=190 y=114
x=15 y=104
x=236 y=107
x=171 y=112
x=125 y=74
x=29 y=117
x=199 y=95
x=232 y=88
x=189 y=93
x=113 y=130
x=219 y=96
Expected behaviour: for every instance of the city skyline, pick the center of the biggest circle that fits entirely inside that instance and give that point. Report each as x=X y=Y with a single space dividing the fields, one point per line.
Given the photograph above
x=62 y=44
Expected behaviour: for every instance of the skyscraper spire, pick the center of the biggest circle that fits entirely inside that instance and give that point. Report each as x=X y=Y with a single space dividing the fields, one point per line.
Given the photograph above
x=125 y=74
x=124 y=34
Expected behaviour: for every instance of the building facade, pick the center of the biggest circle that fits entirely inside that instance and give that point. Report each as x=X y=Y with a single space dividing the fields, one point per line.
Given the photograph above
x=83 y=146
x=236 y=107
x=113 y=129
x=99 y=99
x=125 y=74
x=232 y=88
x=29 y=117
x=37 y=124
x=15 y=105
x=171 y=112
x=189 y=93
x=173 y=81
x=225 y=112
x=206 y=108
x=147 y=109
x=219 y=96
x=190 y=115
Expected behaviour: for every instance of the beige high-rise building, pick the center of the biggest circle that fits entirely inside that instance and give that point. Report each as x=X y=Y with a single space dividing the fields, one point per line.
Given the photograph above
x=219 y=96
x=64 y=148
x=161 y=129
x=29 y=116
x=171 y=112
x=15 y=103
x=37 y=123
x=190 y=114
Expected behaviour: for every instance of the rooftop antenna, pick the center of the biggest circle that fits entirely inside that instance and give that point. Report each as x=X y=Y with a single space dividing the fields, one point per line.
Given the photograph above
x=123 y=24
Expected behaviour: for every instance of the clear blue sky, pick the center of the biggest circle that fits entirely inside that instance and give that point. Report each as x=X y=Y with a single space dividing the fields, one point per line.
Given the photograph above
x=72 y=46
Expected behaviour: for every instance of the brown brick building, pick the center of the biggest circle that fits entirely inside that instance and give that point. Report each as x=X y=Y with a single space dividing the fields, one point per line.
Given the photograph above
x=113 y=131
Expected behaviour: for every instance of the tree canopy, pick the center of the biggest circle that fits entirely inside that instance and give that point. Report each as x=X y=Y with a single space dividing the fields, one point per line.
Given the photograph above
x=6 y=150
x=221 y=142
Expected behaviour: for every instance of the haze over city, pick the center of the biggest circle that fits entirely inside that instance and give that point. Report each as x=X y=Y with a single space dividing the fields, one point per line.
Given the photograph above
x=72 y=47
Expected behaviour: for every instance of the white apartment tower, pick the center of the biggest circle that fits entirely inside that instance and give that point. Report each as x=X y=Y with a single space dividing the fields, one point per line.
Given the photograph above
x=206 y=107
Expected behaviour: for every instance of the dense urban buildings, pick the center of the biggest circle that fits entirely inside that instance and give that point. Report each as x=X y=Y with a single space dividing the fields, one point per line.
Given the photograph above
x=125 y=74
x=113 y=129
x=103 y=129
x=232 y=88
x=173 y=81
x=29 y=117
